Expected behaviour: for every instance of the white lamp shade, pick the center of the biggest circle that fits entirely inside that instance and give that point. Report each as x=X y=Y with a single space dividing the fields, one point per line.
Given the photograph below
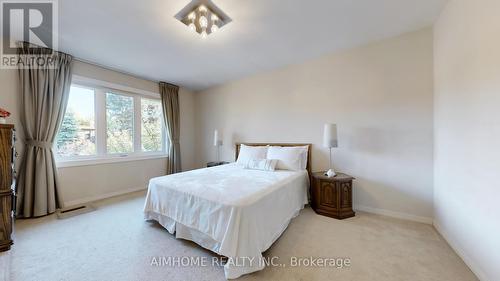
x=330 y=138
x=217 y=138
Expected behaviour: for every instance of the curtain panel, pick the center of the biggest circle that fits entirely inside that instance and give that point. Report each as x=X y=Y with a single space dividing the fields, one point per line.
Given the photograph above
x=170 y=103
x=44 y=91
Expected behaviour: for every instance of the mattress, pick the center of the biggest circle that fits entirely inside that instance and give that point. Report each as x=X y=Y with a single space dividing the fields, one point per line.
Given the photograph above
x=232 y=211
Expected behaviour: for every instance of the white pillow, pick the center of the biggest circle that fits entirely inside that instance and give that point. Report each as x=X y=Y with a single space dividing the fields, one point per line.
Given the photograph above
x=305 y=151
x=289 y=158
x=263 y=164
x=248 y=153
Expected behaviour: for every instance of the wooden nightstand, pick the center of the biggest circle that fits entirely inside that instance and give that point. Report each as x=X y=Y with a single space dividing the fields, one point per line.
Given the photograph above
x=332 y=197
x=213 y=164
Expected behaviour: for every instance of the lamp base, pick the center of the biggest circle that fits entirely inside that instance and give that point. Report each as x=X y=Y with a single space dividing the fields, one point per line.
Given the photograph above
x=330 y=173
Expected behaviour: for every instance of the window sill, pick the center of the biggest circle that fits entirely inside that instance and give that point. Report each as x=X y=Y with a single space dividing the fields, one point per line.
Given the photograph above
x=108 y=160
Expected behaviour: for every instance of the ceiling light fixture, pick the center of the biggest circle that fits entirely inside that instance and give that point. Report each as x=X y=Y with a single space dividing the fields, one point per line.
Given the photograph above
x=203 y=17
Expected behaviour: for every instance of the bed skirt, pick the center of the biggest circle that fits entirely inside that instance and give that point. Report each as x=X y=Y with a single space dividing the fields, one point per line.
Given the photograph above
x=187 y=233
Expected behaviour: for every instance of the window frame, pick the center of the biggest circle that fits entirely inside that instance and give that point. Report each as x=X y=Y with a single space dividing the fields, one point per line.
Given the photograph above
x=102 y=156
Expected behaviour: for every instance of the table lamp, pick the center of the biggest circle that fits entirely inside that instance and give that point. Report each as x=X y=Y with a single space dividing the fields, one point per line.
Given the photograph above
x=330 y=140
x=217 y=143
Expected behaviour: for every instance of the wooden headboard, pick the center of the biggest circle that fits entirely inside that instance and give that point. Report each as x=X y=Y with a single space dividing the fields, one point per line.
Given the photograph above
x=309 y=150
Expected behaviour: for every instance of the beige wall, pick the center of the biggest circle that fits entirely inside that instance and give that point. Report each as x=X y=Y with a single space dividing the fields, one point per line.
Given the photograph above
x=86 y=183
x=381 y=97
x=467 y=132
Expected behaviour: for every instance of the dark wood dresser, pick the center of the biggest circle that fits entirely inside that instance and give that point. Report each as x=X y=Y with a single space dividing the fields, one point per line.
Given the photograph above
x=7 y=185
x=332 y=197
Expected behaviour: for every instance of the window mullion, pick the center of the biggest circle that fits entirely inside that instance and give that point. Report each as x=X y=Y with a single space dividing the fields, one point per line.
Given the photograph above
x=100 y=111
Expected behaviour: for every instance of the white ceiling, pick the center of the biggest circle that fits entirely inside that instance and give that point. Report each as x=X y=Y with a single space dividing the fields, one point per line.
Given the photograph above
x=144 y=38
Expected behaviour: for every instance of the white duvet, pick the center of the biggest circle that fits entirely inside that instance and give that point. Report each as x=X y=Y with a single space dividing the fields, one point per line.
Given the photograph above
x=235 y=212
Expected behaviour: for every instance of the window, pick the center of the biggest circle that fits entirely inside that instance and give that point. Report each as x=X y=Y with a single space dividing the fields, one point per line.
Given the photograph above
x=151 y=125
x=119 y=123
x=104 y=123
x=77 y=133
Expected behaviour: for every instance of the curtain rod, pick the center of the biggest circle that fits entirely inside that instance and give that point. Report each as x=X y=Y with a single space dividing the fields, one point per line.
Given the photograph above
x=23 y=43
x=115 y=70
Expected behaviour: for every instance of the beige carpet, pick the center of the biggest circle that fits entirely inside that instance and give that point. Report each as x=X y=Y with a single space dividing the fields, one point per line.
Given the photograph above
x=114 y=243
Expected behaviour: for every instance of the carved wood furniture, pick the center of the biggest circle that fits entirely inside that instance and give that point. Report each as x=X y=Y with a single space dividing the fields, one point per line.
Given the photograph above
x=332 y=197
x=7 y=185
x=213 y=164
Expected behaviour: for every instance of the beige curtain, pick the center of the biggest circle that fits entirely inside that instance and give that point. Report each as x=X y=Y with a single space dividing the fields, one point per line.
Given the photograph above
x=44 y=94
x=170 y=102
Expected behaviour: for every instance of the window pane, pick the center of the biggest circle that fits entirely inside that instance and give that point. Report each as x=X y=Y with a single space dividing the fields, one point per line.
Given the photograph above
x=151 y=125
x=120 y=123
x=76 y=136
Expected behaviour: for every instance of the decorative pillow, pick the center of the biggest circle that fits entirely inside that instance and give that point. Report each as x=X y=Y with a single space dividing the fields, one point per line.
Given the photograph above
x=248 y=153
x=263 y=164
x=289 y=158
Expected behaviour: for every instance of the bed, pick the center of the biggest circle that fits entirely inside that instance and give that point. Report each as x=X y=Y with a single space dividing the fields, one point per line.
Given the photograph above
x=234 y=212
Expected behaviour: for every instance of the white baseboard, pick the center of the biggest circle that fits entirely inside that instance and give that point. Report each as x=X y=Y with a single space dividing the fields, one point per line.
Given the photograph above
x=394 y=214
x=460 y=252
x=102 y=196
